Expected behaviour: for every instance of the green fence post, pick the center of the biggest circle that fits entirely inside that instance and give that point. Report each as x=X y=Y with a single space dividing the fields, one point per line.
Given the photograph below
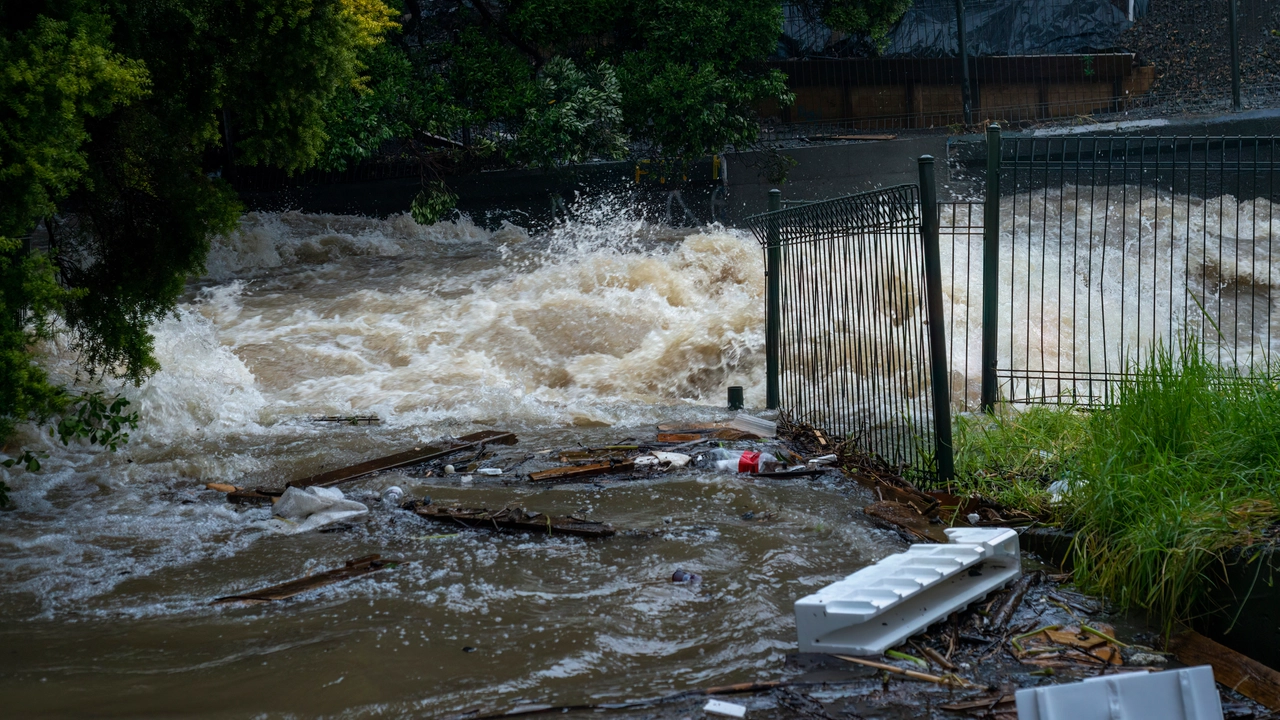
x=773 y=303
x=937 y=323
x=990 y=269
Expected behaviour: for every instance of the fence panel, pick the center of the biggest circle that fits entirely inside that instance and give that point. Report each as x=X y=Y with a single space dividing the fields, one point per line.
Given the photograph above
x=853 y=346
x=1110 y=245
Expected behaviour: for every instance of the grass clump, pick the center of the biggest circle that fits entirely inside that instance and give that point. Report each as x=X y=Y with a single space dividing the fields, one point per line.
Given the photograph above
x=1181 y=467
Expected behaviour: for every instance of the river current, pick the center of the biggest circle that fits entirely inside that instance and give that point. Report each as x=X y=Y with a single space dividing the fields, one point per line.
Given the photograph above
x=589 y=333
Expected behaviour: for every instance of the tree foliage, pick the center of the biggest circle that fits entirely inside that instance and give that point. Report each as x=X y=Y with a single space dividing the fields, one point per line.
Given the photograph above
x=551 y=82
x=874 y=18
x=109 y=114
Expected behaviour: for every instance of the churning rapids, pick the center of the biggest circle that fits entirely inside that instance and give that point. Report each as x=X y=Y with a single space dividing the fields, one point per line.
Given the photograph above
x=589 y=333
x=592 y=332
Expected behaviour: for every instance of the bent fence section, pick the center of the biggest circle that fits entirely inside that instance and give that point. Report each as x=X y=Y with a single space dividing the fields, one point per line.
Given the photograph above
x=847 y=319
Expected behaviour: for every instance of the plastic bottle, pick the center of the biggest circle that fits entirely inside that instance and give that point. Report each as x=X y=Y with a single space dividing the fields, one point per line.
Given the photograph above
x=740 y=461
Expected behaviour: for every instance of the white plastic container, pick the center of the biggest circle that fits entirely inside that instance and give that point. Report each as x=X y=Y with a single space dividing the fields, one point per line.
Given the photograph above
x=880 y=606
x=754 y=425
x=1183 y=694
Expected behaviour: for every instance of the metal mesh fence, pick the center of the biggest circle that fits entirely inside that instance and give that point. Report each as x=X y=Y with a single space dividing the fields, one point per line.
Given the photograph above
x=1110 y=245
x=853 y=346
x=960 y=243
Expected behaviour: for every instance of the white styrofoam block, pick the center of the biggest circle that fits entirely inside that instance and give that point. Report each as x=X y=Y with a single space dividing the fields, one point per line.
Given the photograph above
x=1183 y=694
x=728 y=709
x=879 y=606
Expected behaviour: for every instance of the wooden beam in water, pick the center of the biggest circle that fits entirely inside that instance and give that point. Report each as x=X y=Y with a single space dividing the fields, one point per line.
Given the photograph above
x=513 y=519
x=409 y=457
x=581 y=472
x=353 y=569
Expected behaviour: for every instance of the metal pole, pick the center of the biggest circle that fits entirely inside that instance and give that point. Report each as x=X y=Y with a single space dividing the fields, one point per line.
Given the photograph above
x=965 y=90
x=937 y=324
x=1235 y=57
x=773 y=303
x=990 y=270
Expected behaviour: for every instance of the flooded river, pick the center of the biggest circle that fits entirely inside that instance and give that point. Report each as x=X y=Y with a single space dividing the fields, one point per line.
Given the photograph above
x=589 y=334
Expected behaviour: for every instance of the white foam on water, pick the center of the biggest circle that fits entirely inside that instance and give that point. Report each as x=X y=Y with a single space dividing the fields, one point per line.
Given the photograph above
x=603 y=320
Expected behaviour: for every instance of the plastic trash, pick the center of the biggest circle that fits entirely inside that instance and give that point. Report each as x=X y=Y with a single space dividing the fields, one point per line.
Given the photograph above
x=740 y=461
x=644 y=460
x=673 y=459
x=1183 y=694
x=684 y=576
x=823 y=460
x=727 y=709
x=490 y=471
x=879 y=606
x=392 y=496
x=448 y=469
x=1059 y=489
x=314 y=507
x=754 y=425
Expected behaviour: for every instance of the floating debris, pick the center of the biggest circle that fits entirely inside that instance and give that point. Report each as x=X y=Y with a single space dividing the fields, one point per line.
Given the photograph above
x=415 y=456
x=581 y=472
x=348 y=419
x=511 y=518
x=353 y=569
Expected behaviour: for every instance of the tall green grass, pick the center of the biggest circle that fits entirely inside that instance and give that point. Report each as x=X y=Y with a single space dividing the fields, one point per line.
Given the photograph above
x=1182 y=466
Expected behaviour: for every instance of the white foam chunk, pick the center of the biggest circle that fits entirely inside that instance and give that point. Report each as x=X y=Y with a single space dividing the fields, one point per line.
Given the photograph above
x=879 y=606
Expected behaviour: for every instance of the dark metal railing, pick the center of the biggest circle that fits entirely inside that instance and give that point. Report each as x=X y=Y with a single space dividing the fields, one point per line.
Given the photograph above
x=1108 y=246
x=854 y=320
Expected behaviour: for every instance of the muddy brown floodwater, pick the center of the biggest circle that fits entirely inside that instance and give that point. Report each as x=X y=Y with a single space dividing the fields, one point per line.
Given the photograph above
x=589 y=334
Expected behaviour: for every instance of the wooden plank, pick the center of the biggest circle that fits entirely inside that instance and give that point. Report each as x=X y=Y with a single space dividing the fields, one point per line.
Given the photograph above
x=581 y=472
x=513 y=519
x=678 y=437
x=353 y=569
x=409 y=457
x=692 y=427
x=1242 y=674
x=245 y=496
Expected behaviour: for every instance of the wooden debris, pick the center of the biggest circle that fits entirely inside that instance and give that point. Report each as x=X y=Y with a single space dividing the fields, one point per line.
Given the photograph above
x=1238 y=672
x=908 y=519
x=348 y=419
x=221 y=487
x=261 y=496
x=1011 y=602
x=608 y=451
x=692 y=427
x=512 y=518
x=937 y=659
x=353 y=569
x=409 y=457
x=986 y=702
x=1066 y=647
x=581 y=472
x=948 y=679
x=678 y=437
